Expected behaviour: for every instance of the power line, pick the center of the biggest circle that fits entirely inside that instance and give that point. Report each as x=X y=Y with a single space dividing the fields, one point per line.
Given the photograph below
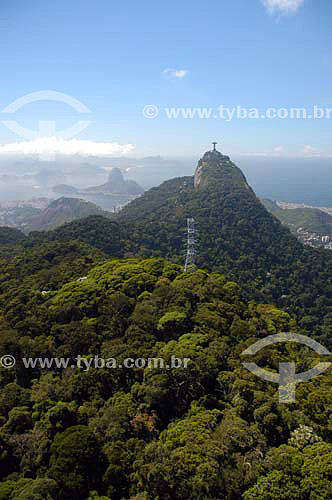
x=190 y=257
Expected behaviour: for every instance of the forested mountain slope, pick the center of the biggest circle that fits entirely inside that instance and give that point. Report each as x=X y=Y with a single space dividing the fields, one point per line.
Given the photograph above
x=10 y=235
x=236 y=236
x=308 y=219
x=100 y=232
x=209 y=431
x=61 y=211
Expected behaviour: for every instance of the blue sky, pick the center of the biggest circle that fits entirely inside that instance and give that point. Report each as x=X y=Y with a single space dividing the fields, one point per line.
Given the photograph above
x=112 y=57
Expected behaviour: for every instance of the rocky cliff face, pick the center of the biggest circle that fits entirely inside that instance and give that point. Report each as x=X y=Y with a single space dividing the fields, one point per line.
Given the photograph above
x=116 y=184
x=215 y=167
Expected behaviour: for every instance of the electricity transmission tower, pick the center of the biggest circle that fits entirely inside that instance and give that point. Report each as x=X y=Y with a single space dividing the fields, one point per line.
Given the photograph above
x=190 y=257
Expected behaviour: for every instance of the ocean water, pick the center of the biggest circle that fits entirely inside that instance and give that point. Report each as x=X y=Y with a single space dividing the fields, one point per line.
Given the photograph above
x=300 y=180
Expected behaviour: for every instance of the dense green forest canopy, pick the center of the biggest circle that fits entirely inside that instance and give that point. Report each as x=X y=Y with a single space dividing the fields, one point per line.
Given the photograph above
x=210 y=431
x=10 y=235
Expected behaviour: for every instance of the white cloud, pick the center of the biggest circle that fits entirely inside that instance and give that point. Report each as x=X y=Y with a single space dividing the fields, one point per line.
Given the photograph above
x=175 y=73
x=278 y=150
x=283 y=6
x=310 y=151
x=135 y=167
x=307 y=151
x=54 y=145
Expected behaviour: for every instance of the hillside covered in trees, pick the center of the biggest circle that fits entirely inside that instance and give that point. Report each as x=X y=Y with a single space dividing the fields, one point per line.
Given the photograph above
x=236 y=237
x=10 y=235
x=209 y=431
x=308 y=219
x=57 y=213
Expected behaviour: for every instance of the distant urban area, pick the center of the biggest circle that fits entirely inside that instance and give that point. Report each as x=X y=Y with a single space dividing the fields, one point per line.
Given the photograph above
x=290 y=206
x=311 y=224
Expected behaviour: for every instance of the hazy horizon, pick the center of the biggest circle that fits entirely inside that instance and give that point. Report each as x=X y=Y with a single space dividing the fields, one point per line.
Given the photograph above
x=300 y=180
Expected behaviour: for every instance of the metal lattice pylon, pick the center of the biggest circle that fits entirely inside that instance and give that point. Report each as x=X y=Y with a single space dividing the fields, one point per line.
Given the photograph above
x=190 y=257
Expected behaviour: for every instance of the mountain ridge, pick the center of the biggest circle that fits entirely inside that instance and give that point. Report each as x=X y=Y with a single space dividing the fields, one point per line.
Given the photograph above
x=236 y=236
x=61 y=211
x=116 y=184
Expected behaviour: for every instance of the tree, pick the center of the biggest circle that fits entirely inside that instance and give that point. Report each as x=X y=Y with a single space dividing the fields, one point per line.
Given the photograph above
x=76 y=462
x=274 y=486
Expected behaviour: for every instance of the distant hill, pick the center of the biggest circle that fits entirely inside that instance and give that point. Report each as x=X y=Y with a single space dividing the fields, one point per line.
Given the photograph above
x=95 y=230
x=64 y=189
x=10 y=235
x=116 y=184
x=61 y=211
x=18 y=216
x=310 y=219
x=115 y=193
